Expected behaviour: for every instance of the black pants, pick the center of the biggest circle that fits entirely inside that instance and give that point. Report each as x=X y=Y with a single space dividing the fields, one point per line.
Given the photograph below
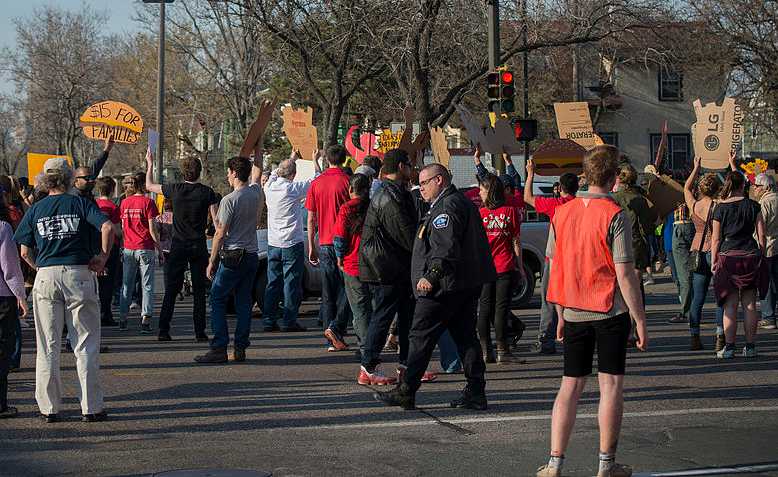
x=106 y=284
x=454 y=312
x=493 y=307
x=388 y=301
x=9 y=315
x=196 y=256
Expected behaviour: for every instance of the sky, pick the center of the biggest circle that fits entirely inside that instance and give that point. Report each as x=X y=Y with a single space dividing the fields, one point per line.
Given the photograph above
x=120 y=12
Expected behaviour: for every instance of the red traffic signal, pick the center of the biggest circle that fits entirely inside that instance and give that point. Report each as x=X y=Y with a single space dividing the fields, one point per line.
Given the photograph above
x=525 y=129
x=506 y=77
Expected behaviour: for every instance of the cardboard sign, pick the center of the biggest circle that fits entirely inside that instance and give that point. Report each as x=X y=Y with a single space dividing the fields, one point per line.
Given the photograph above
x=440 y=146
x=153 y=141
x=368 y=145
x=115 y=114
x=558 y=156
x=717 y=132
x=494 y=140
x=574 y=122
x=35 y=163
x=388 y=140
x=100 y=132
x=664 y=193
x=300 y=131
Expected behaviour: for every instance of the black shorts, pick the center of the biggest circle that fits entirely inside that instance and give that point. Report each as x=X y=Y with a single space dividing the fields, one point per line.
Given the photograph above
x=609 y=336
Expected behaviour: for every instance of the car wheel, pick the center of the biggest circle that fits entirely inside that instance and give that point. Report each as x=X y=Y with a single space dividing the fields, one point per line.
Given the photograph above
x=522 y=294
x=260 y=283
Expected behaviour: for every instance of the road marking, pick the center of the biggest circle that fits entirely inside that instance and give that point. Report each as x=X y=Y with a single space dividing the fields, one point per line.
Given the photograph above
x=742 y=469
x=536 y=417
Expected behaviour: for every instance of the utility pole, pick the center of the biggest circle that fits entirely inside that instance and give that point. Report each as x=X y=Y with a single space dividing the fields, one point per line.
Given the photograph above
x=160 y=89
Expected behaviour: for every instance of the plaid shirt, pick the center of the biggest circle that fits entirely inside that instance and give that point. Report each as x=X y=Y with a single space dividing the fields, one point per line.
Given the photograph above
x=681 y=214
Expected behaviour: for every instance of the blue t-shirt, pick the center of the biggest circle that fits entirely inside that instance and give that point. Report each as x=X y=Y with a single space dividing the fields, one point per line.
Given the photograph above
x=667 y=232
x=60 y=228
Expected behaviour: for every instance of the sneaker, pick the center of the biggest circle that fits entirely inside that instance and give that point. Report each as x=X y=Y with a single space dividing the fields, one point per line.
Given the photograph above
x=401 y=396
x=376 y=378
x=164 y=336
x=99 y=417
x=749 y=352
x=547 y=471
x=335 y=339
x=427 y=377
x=767 y=324
x=134 y=306
x=649 y=280
x=145 y=328
x=544 y=348
x=122 y=325
x=696 y=343
x=470 y=400
x=719 y=344
x=616 y=470
x=213 y=356
x=726 y=353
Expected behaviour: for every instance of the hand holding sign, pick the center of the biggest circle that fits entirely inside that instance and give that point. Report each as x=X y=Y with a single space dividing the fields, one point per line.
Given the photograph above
x=111 y=118
x=299 y=130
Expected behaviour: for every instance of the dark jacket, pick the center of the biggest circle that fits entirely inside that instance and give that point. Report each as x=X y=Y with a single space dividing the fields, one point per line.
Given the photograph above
x=451 y=249
x=642 y=216
x=387 y=236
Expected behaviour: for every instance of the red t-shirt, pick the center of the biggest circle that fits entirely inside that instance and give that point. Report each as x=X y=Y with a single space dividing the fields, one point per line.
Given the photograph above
x=136 y=211
x=548 y=205
x=351 y=260
x=502 y=225
x=110 y=210
x=327 y=193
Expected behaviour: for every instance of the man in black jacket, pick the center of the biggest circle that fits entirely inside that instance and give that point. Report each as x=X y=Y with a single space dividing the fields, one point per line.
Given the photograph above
x=385 y=261
x=451 y=261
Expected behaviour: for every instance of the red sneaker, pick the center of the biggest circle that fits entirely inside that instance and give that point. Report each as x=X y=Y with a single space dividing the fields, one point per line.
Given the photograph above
x=335 y=340
x=375 y=378
x=426 y=378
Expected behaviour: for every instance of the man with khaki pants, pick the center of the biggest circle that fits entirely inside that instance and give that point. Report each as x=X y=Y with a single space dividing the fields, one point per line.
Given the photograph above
x=65 y=293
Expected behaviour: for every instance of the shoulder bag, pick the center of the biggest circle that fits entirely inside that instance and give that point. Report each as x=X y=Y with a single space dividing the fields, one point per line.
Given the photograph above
x=698 y=262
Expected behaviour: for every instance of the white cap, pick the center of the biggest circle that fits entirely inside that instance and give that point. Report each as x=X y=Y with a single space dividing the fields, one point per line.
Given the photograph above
x=56 y=164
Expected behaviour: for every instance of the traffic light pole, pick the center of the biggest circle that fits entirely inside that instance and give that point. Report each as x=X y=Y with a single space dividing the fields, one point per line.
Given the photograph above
x=493 y=7
x=526 y=78
x=161 y=93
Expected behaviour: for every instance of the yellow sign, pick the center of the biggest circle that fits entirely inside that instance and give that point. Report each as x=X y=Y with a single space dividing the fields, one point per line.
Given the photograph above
x=35 y=163
x=115 y=114
x=388 y=140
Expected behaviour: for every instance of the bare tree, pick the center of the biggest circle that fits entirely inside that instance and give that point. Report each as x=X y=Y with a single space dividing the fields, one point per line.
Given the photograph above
x=13 y=137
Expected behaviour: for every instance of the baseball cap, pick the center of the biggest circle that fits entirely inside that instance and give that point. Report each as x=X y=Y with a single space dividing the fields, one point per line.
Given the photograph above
x=366 y=170
x=56 y=164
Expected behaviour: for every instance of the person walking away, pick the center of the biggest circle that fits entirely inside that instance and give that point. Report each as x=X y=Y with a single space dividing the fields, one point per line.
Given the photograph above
x=739 y=268
x=14 y=217
x=192 y=202
x=234 y=261
x=348 y=233
x=568 y=187
x=65 y=291
x=451 y=262
x=701 y=208
x=595 y=288
x=679 y=256
x=12 y=299
x=502 y=223
x=285 y=250
x=141 y=246
x=385 y=252
x=327 y=193
x=768 y=202
x=106 y=281
x=164 y=225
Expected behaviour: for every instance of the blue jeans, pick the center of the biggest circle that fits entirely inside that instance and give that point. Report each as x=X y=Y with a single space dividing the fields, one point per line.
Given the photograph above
x=548 y=316
x=226 y=281
x=768 y=304
x=16 y=357
x=360 y=299
x=449 y=357
x=132 y=260
x=335 y=310
x=285 y=268
x=700 y=285
x=388 y=301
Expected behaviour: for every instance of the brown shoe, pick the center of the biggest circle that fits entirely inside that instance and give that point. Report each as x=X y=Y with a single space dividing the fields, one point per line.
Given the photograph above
x=696 y=343
x=239 y=355
x=720 y=342
x=213 y=356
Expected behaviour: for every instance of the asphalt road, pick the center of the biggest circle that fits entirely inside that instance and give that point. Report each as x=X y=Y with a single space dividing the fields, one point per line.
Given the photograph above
x=295 y=410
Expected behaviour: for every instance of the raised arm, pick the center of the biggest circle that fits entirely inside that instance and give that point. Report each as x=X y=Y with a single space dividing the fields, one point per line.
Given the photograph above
x=480 y=169
x=688 y=187
x=732 y=164
x=510 y=169
x=257 y=164
x=151 y=186
x=529 y=197
x=100 y=162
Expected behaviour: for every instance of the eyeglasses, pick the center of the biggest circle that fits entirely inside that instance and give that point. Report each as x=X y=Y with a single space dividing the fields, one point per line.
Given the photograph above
x=425 y=182
x=86 y=178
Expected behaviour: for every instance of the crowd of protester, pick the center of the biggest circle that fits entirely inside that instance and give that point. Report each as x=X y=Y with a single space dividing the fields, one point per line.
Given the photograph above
x=404 y=257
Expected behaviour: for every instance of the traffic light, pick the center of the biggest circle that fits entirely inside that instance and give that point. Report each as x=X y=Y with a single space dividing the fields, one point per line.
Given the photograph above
x=525 y=129
x=501 y=92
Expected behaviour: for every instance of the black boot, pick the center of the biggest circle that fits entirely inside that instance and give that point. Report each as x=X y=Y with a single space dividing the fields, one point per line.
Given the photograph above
x=213 y=356
x=517 y=329
x=401 y=396
x=470 y=399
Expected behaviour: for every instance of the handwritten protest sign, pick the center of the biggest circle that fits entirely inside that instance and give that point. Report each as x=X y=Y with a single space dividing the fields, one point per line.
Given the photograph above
x=300 y=131
x=717 y=132
x=35 y=163
x=494 y=140
x=389 y=140
x=574 y=122
x=440 y=146
x=368 y=145
x=111 y=117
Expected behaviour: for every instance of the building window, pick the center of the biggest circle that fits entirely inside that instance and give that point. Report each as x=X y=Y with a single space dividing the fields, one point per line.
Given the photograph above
x=610 y=138
x=670 y=85
x=678 y=153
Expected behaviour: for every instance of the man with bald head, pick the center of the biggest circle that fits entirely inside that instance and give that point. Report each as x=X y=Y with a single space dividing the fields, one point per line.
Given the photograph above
x=451 y=261
x=285 y=253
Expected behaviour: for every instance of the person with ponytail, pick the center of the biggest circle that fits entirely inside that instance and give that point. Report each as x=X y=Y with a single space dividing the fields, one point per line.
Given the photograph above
x=738 y=264
x=348 y=233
